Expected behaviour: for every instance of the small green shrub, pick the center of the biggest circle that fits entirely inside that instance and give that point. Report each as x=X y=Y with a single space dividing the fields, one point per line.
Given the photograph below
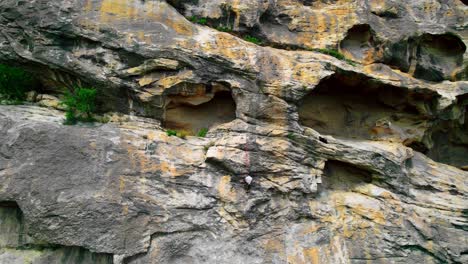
x=199 y=20
x=14 y=83
x=224 y=28
x=331 y=52
x=253 y=40
x=335 y=54
x=171 y=132
x=182 y=134
x=80 y=105
x=178 y=133
x=202 y=132
x=291 y=136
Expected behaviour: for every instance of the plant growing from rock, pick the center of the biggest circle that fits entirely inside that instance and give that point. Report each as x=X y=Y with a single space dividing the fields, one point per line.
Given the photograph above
x=14 y=83
x=202 y=132
x=336 y=54
x=178 y=133
x=253 y=40
x=80 y=105
x=199 y=20
x=291 y=136
x=171 y=133
x=224 y=28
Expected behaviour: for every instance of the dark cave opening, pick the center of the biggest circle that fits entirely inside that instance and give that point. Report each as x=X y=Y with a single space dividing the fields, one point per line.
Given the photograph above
x=359 y=43
x=450 y=141
x=353 y=107
x=203 y=110
x=429 y=57
x=14 y=237
x=343 y=176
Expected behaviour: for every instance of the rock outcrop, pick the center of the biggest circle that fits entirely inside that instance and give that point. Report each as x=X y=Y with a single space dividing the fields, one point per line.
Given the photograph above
x=354 y=159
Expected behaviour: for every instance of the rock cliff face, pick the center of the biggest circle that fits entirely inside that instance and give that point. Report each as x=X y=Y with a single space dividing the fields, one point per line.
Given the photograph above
x=354 y=159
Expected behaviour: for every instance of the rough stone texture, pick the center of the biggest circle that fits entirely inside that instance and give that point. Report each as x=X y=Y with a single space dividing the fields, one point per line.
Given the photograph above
x=345 y=157
x=16 y=247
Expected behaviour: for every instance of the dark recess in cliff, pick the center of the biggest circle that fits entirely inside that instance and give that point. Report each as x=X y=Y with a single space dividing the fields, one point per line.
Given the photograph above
x=352 y=107
x=359 y=43
x=14 y=238
x=429 y=57
x=197 y=111
x=343 y=176
x=450 y=140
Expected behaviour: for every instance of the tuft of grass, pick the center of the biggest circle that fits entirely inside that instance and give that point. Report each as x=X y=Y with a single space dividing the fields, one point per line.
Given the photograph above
x=80 y=105
x=199 y=20
x=224 y=28
x=14 y=83
x=171 y=133
x=335 y=54
x=202 y=132
x=291 y=136
x=331 y=52
x=253 y=40
x=181 y=133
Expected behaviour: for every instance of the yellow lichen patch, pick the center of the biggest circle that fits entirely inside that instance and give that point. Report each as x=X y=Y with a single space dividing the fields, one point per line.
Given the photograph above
x=311 y=255
x=121 y=184
x=312 y=228
x=307 y=73
x=171 y=81
x=226 y=192
x=92 y=145
x=230 y=46
x=180 y=26
x=117 y=9
x=125 y=209
x=274 y=245
x=88 y=6
x=152 y=135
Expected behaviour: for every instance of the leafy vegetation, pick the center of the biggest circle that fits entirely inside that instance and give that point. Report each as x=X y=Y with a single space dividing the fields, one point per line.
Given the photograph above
x=224 y=28
x=202 y=132
x=335 y=54
x=291 y=136
x=181 y=133
x=171 y=133
x=253 y=40
x=199 y=20
x=80 y=105
x=14 y=83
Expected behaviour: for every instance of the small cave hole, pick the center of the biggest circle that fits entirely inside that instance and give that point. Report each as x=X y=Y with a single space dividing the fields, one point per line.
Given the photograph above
x=359 y=43
x=353 y=107
x=429 y=57
x=439 y=57
x=343 y=176
x=191 y=113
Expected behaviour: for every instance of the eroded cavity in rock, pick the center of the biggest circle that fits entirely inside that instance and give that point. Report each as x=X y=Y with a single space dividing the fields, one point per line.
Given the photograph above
x=353 y=107
x=201 y=107
x=429 y=57
x=359 y=44
x=17 y=247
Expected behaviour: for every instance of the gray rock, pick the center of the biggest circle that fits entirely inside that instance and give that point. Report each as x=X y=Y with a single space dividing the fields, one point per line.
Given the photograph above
x=351 y=162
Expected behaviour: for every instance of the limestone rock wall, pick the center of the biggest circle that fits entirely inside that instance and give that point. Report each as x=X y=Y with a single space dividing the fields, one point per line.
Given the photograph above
x=355 y=160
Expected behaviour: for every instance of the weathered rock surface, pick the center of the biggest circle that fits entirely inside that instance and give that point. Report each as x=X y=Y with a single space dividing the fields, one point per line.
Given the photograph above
x=352 y=162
